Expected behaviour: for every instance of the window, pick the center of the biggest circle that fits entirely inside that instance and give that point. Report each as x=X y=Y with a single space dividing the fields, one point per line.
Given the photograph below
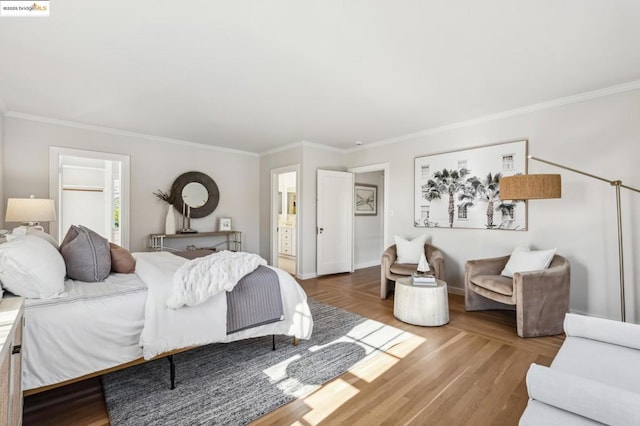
x=90 y=189
x=426 y=172
x=462 y=213
x=424 y=212
x=462 y=164
x=507 y=162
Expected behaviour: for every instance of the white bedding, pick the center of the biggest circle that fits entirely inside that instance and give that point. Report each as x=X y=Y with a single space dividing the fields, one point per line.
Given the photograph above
x=101 y=325
x=94 y=327
x=167 y=329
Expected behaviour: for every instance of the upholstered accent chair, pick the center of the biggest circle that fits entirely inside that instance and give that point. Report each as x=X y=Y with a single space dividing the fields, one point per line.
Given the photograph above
x=540 y=298
x=390 y=270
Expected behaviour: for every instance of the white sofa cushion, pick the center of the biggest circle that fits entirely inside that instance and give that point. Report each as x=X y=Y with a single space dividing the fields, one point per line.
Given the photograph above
x=589 y=398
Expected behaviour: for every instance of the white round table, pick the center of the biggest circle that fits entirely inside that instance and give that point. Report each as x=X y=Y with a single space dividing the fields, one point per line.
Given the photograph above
x=421 y=304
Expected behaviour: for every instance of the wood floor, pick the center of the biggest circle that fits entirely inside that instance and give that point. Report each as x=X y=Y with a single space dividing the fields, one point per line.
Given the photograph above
x=468 y=372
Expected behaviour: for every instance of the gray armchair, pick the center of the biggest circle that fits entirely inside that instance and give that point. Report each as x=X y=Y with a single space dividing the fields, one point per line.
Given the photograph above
x=540 y=298
x=390 y=271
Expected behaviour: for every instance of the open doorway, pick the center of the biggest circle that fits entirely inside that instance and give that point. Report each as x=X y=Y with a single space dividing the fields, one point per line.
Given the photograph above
x=285 y=211
x=91 y=189
x=370 y=230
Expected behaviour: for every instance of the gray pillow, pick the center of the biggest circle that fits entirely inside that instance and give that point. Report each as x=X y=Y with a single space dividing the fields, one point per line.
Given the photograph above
x=86 y=254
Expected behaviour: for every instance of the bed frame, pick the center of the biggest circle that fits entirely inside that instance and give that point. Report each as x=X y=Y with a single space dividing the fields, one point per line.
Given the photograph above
x=169 y=355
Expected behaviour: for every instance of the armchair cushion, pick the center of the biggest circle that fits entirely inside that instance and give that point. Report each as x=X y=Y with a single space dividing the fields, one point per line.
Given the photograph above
x=410 y=251
x=403 y=268
x=495 y=283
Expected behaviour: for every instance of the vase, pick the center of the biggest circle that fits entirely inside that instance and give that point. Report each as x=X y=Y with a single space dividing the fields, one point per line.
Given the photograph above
x=170 y=222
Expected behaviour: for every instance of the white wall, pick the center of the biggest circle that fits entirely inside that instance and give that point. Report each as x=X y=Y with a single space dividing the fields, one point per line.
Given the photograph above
x=154 y=165
x=368 y=230
x=600 y=136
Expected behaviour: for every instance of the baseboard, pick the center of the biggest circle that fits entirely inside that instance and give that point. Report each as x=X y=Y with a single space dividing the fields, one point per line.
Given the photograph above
x=456 y=290
x=307 y=276
x=367 y=264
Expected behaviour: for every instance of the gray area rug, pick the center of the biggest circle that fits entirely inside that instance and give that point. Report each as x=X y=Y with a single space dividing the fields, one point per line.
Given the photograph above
x=235 y=383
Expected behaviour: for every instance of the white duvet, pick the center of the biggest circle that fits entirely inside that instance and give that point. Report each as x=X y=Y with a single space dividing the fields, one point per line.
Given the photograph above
x=166 y=329
x=102 y=325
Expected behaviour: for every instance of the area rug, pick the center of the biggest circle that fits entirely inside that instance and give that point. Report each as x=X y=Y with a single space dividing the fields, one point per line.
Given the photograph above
x=235 y=383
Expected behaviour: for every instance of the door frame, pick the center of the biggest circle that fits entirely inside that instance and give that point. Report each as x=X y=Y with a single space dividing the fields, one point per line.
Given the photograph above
x=383 y=167
x=273 y=207
x=55 y=187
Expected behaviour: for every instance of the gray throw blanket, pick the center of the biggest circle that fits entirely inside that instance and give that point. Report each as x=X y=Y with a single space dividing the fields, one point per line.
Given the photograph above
x=254 y=301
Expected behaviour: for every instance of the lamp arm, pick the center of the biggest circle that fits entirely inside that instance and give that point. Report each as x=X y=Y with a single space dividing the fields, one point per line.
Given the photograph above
x=609 y=181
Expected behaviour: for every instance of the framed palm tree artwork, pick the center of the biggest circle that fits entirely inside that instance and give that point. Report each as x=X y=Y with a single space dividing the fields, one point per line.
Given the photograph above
x=461 y=189
x=366 y=199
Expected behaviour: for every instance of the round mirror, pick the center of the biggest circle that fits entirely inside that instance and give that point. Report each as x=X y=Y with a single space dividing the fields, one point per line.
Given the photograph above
x=198 y=191
x=194 y=195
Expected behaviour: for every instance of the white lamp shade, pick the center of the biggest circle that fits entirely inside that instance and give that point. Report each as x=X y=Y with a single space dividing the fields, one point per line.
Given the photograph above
x=30 y=210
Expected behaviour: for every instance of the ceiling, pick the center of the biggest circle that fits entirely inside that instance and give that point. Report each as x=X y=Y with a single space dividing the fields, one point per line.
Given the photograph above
x=257 y=75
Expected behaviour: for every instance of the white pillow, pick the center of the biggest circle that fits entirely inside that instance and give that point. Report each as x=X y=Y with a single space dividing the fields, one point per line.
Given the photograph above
x=31 y=267
x=410 y=251
x=524 y=260
x=41 y=234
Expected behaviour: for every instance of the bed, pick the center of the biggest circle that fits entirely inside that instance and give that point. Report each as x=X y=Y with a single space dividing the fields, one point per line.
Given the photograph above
x=102 y=326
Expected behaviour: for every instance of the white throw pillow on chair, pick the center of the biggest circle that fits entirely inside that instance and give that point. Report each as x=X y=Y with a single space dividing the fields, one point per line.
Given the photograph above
x=524 y=260
x=410 y=251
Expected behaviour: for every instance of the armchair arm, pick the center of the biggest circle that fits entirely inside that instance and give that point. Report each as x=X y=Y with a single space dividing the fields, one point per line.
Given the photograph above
x=603 y=330
x=493 y=266
x=542 y=299
x=436 y=261
x=389 y=256
x=588 y=398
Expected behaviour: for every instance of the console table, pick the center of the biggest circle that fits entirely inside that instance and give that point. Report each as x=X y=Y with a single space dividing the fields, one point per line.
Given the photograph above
x=232 y=239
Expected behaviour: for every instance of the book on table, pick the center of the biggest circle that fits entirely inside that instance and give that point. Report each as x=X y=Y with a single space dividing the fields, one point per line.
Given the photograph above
x=423 y=279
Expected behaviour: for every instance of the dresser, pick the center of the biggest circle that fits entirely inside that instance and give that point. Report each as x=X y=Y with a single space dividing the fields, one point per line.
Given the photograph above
x=11 y=320
x=287 y=240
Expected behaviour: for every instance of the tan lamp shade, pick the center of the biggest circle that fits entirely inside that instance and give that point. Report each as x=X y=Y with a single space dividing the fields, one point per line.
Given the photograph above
x=530 y=187
x=30 y=210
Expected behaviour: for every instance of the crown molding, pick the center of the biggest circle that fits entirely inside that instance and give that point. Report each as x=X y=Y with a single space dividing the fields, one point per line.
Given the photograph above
x=302 y=144
x=594 y=94
x=126 y=133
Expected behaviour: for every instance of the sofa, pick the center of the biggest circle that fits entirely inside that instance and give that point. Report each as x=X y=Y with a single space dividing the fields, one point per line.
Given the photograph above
x=594 y=378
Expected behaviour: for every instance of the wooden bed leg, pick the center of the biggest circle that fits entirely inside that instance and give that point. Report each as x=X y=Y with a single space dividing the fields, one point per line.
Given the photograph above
x=273 y=342
x=295 y=341
x=172 y=371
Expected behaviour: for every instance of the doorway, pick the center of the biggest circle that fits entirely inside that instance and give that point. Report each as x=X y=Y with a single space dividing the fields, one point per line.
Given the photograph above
x=91 y=189
x=370 y=231
x=284 y=215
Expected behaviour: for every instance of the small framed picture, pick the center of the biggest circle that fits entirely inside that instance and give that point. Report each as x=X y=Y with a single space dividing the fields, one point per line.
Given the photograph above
x=366 y=200
x=225 y=224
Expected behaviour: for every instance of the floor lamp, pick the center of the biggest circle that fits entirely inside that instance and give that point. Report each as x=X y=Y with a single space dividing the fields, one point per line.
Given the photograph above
x=529 y=187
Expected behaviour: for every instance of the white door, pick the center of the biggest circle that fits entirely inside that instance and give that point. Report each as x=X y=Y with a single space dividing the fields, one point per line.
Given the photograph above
x=334 y=222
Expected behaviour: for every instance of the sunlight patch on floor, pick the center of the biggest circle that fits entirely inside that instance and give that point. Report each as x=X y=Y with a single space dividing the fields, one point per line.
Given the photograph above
x=374 y=368
x=327 y=399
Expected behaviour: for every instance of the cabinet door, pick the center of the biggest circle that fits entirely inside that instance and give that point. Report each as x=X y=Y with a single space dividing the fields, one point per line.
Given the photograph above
x=16 y=375
x=5 y=379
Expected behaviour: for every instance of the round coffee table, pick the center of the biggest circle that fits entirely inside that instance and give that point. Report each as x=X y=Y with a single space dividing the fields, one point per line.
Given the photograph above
x=421 y=304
